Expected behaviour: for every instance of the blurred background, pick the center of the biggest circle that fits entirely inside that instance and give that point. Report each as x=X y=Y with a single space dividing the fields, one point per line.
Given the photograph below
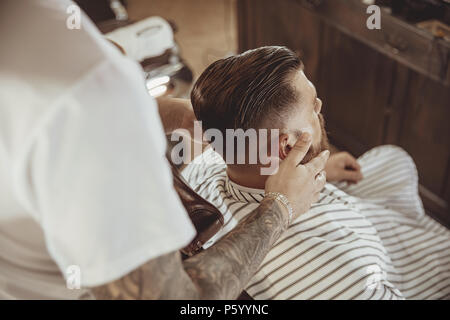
x=387 y=86
x=206 y=29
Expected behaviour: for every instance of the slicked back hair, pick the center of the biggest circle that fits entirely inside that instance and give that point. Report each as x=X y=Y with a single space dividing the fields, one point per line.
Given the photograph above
x=250 y=90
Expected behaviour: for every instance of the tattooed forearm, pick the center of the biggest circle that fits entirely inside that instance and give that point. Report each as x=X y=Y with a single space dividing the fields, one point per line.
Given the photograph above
x=160 y=278
x=221 y=272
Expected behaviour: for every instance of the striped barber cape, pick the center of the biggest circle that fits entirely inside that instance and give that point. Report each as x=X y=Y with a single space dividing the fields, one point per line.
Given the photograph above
x=366 y=241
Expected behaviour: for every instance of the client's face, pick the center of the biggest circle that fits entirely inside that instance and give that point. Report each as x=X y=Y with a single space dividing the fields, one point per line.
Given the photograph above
x=307 y=117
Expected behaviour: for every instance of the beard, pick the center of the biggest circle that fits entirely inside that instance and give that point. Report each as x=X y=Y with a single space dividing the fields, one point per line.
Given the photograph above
x=314 y=151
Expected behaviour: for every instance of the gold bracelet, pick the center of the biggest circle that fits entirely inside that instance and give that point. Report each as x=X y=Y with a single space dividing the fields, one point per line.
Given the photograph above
x=281 y=198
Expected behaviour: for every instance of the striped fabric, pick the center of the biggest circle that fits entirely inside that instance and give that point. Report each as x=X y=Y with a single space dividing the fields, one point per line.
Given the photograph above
x=366 y=241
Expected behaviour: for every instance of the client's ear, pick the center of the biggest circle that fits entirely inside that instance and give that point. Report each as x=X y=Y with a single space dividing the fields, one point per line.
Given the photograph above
x=285 y=145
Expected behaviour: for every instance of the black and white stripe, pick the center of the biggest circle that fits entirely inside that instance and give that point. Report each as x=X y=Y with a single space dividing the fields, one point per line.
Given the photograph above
x=366 y=241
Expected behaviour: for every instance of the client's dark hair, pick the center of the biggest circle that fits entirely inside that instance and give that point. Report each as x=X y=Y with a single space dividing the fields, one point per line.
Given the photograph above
x=250 y=90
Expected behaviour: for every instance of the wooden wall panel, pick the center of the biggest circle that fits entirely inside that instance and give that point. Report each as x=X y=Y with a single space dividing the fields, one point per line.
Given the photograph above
x=297 y=29
x=355 y=84
x=426 y=131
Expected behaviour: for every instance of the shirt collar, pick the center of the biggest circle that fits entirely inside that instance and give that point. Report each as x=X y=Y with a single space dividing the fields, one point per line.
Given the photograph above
x=243 y=194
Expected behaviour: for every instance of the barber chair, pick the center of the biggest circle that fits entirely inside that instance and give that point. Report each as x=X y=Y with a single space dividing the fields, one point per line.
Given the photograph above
x=205 y=217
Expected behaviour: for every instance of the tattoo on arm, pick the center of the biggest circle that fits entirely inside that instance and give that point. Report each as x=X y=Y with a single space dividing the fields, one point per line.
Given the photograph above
x=221 y=272
x=160 y=278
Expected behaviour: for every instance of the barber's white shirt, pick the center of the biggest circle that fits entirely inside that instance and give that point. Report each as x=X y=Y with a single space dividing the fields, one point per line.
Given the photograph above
x=83 y=176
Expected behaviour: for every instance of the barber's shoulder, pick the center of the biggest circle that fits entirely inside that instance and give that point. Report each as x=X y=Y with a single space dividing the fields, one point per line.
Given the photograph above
x=57 y=42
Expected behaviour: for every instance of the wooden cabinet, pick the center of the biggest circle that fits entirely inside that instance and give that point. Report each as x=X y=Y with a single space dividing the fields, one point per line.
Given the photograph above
x=388 y=86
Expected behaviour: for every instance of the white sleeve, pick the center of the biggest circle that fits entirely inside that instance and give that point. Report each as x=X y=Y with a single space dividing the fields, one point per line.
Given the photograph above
x=99 y=183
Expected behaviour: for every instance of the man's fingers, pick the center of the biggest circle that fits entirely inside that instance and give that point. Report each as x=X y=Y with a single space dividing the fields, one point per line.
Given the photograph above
x=316 y=197
x=351 y=162
x=318 y=163
x=300 y=149
x=353 y=176
x=321 y=179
